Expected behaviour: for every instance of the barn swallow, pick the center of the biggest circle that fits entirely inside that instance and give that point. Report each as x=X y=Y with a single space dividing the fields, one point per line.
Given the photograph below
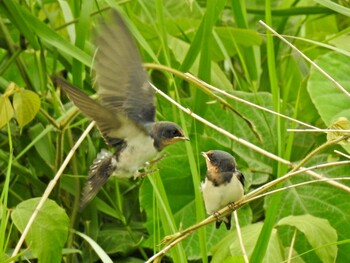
x=125 y=113
x=224 y=183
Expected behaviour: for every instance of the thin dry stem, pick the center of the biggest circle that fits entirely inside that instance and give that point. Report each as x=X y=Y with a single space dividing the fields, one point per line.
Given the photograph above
x=296 y=185
x=290 y=252
x=244 y=142
x=342 y=154
x=336 y=83
x=229 y=95
x=240 y=238
x=49 y=189
x=178 y=237
x=318 y=130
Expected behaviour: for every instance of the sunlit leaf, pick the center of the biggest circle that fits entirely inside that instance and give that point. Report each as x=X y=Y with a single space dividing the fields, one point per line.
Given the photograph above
x=49 y=231
x=6 y=110
x=26 y=104
x=329 y=100
x=341 y=123
x=318 y=231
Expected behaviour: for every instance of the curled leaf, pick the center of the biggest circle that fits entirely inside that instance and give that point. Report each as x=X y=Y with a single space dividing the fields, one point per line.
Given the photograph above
x=342 y=123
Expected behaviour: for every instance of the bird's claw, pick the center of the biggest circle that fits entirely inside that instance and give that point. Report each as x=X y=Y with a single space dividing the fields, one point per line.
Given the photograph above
x=216 y=215
x=143 y=174
x=231 y=205
x=153 y=162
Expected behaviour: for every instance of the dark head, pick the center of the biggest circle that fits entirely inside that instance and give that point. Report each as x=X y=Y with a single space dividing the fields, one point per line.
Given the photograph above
x=166 y=133
x=219 y=161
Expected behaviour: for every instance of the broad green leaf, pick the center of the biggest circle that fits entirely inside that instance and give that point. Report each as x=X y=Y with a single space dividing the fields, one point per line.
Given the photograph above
x=49 y=231
x=118 y=240
x=6 y=110
x=320 y=200
x=320 y=234
x=26 y=104
x=330 y=102
x=230 y=247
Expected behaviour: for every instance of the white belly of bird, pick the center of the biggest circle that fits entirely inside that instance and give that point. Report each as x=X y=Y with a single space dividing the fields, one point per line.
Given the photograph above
x=139 y=150
x=217 y=197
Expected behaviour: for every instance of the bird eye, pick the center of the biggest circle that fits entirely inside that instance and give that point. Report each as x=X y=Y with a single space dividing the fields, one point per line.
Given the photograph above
x=171 y=133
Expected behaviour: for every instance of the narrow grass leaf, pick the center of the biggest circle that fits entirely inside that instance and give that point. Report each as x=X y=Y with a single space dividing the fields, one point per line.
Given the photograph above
x=50 y=37
x=95 y=246
x=335 y=7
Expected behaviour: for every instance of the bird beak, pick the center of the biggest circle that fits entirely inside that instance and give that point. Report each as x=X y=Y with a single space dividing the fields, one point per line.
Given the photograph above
x=180 y=138
x=204 y=154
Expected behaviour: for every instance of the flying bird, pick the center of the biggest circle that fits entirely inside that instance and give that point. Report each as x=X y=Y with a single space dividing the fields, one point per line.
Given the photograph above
x=125 y=111
x=224 y=183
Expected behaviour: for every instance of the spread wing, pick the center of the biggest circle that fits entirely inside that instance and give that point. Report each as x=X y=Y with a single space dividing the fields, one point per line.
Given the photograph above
x=114 y=127
x=123 y=85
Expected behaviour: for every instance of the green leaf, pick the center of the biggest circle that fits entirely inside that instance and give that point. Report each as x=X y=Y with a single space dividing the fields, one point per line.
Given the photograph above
x=96 y=247
x=229 y=246
x=335 y=7
x=20 y=22
x=44 y=146
x=6 y=110
x=322 y=201
x=218 y=77
x=330 y=102
x=48 y=35
x=26 y=104
x=49 y=231
x=231 y=37
x=318 y=231
x=118 y=240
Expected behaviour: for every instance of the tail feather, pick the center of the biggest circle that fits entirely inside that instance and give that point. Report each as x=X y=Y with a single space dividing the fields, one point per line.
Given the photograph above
x=100 y=170
x=226 y=220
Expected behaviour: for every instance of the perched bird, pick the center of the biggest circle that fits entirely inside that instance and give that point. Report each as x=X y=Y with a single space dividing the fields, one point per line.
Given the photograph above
x=224 y=183
x=125 y=113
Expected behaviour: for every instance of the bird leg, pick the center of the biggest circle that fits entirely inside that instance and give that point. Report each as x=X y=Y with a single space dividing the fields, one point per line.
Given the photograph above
x=218 y=220
x=143 y=174
x=231 y=205
x=216 y=215
x=153 y=162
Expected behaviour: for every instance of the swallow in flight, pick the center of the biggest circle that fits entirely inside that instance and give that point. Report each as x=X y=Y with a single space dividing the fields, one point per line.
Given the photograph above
x=125 y=111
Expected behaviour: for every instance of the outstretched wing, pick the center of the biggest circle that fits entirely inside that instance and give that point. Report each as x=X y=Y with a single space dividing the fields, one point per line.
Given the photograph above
x=114 y=127
x=123 y=85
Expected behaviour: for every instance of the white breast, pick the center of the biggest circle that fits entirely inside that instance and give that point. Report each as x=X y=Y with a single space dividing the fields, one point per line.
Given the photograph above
x=217 y=197
x=139 y=150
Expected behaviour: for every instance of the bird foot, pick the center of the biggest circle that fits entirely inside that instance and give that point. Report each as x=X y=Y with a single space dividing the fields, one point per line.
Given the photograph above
x=143 y=174
x=216 y=215
x=153 y=162
x=231 y=205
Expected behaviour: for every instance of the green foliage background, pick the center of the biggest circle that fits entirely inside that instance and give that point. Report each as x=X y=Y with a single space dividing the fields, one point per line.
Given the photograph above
x=220 y=42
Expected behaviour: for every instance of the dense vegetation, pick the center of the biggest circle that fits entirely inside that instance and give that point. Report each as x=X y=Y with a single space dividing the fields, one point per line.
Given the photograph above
x=224 y=44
